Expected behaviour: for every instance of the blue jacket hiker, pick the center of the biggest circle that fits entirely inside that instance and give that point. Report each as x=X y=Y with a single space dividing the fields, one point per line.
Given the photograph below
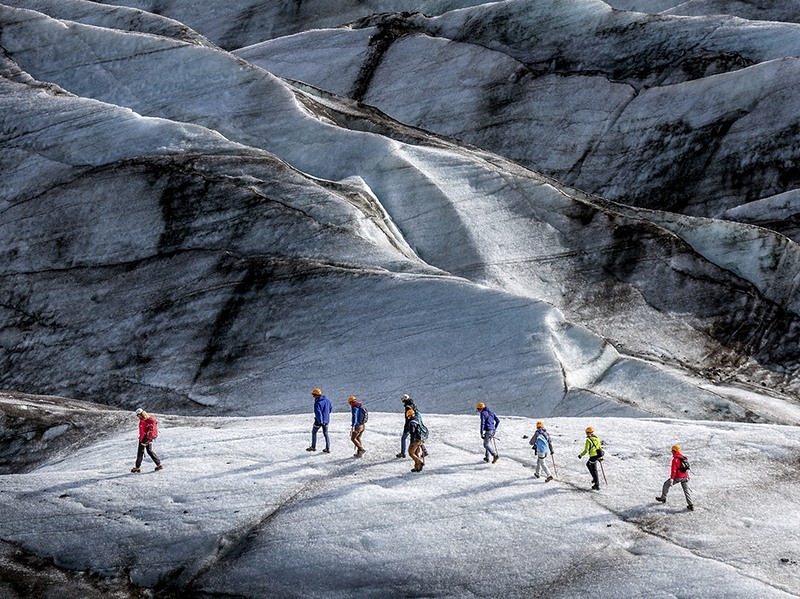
x=322 y=417
x=357 y=424
x=543 y=446
x=489 y=422
x=594 y=447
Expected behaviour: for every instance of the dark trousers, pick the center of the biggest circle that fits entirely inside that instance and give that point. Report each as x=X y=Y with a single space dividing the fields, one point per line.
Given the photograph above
x=150 y=452
x=592 y=466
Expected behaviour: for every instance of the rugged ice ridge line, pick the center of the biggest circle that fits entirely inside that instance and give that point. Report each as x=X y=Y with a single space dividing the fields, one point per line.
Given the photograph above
x=690 y=128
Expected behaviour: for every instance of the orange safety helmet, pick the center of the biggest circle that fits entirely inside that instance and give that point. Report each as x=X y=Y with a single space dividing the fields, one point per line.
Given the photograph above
x=589 y=430
x=316 y=392
x=351 y=399
x=539 y=424
x=676 y=448
x=480 y=405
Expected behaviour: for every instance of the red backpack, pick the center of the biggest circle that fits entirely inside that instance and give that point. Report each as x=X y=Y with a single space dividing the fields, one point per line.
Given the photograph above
x=151 y=432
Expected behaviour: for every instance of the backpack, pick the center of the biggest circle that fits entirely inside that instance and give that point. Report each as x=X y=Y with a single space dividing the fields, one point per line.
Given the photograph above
x=684 y=467
x=364 y=415
x=152 y=428
x=423 y=430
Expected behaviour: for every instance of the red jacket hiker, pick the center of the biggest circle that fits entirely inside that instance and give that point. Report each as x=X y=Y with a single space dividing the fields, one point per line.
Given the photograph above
x=675 y=472
x=677 y=476
x=148 y=428
x=148 y=431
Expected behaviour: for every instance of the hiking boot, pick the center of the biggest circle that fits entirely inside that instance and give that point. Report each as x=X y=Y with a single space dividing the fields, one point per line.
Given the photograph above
x=415 y=469
x=400 y=455
x=497 y=457
x=661 y=499
x=158 y=467
x=357 y=455
x=595 y=487
x=326 y=450
x=690 y=507
x=548 y=479
x=421 y=466
x=311 y=449
x=535 y=475
x=485 y=459
x=136 y=469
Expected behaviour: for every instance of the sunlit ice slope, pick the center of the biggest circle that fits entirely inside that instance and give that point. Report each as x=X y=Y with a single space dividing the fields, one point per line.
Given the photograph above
x=241 y=509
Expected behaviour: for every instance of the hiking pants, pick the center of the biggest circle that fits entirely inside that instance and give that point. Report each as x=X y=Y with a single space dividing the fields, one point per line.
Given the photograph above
x=684 y=483
x=592 y=466
x=150 y=452
x=541 y=463
x=488 y=437
x=324 y=428
x=415 y=451
x=355 y=437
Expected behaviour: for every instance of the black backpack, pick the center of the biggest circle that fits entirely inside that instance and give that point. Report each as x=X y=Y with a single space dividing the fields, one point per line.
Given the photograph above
x=364 y=415
x=684 y=467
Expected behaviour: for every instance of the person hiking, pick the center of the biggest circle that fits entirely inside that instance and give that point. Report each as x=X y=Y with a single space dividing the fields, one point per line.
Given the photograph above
x=679 y=473
x=322 y=417
x=594 y=447
x=418 y=433
x=357 y=425
x=542 y=445
x=489 y=423
x=408 y=404
x=148 y=431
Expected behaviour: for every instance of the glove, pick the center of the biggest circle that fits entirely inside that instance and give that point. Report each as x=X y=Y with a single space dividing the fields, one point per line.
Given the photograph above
x=580 y=456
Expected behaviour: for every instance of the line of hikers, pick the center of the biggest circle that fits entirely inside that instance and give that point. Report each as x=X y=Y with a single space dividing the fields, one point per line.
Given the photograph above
x=415 y=431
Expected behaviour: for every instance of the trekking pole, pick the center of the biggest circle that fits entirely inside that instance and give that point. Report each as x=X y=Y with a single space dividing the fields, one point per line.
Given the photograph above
x=555 y=470
x=603 y=470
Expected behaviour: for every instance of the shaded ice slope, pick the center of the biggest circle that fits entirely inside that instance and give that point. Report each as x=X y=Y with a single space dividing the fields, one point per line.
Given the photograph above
x=243 y=22
x=637 y=115
x=787 y=10
x=193 y=288
x=780 y=212
x=241 y=507
x=464 y=212
x=214 y=278
x=121 y=17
